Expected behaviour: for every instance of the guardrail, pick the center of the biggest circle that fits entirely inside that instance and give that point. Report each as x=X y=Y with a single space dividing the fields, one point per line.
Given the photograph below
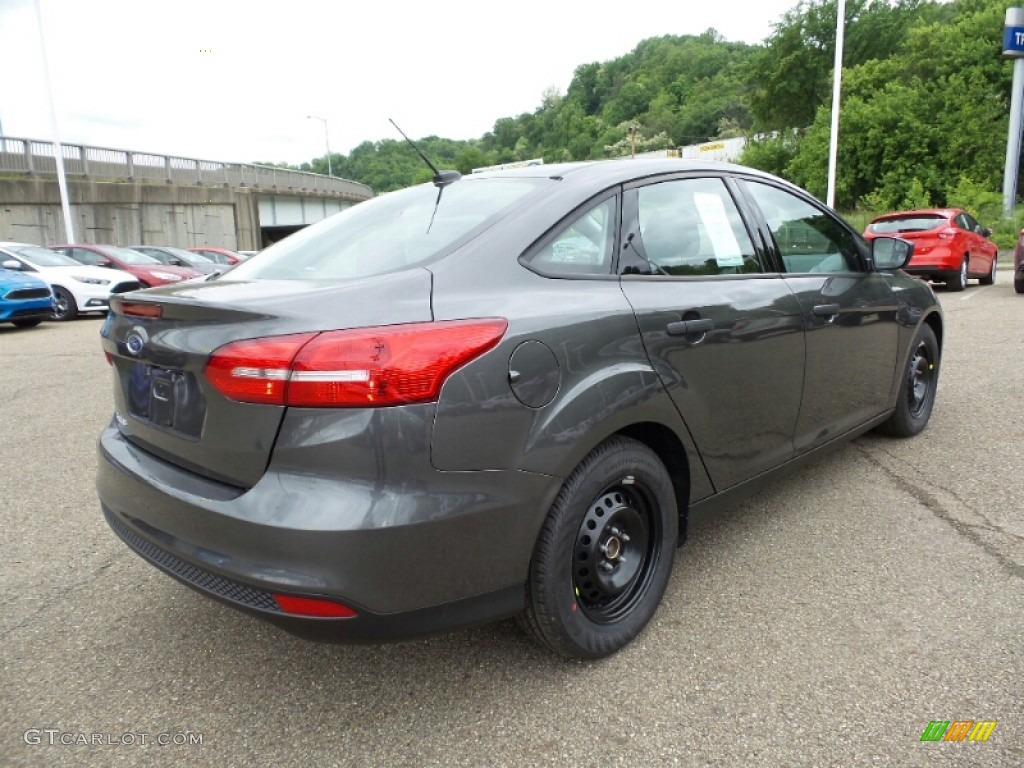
x=35 y=157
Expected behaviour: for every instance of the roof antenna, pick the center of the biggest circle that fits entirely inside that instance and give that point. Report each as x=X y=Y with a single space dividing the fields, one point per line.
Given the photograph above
x=441 y=178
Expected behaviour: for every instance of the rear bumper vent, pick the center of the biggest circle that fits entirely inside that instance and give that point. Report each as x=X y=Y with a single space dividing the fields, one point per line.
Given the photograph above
x=200 y=579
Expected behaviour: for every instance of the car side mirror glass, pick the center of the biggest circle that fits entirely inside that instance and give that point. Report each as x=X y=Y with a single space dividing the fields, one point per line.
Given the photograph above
x=104 y=263
x=12 y=264
x=986 y=232
x=889 y=253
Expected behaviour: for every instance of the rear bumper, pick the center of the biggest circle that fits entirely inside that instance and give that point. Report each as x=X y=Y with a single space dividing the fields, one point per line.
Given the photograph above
x=936 y=272
x=367 y=626
x=409 y=560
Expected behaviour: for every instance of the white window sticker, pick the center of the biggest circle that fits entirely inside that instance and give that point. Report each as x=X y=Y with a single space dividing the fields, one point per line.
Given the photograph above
x=716 y=224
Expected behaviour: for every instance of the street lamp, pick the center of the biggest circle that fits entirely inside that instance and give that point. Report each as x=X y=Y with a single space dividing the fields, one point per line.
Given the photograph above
x=326 y=141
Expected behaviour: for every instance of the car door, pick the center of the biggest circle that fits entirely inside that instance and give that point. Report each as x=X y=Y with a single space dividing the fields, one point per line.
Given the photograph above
x=982 y=250
x=849 y=311
x=719 y=325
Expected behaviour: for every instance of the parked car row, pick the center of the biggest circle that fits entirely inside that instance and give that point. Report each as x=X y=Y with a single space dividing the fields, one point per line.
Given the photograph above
x=80 y=278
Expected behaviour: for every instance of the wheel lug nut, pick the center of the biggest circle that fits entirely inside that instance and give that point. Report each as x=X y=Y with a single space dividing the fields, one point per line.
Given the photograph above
x=605 y=566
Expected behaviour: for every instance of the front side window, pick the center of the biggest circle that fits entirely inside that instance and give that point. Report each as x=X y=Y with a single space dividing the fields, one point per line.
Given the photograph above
x=692 y=227
x=808 y=238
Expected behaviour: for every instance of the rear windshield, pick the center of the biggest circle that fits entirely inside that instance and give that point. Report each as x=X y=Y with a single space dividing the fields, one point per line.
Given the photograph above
x=916 y=223
x=387 y=233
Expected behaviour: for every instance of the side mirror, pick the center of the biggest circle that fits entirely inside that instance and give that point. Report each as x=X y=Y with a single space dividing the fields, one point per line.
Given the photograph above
x=104 y=263
x=986 y=232
x=891 y=253
x=11 y=264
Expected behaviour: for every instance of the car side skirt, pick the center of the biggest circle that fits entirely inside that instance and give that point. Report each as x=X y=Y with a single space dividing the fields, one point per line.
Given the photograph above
x=705 y=509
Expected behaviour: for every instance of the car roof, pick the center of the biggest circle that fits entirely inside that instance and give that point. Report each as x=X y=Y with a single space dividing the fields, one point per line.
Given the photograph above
x=606 y=172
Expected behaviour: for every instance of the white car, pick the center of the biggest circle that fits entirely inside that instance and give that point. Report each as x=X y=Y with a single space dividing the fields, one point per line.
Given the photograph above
x=77 y=288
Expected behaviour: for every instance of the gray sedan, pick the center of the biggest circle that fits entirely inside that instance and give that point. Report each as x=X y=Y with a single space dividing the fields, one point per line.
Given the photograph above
x=503 y=395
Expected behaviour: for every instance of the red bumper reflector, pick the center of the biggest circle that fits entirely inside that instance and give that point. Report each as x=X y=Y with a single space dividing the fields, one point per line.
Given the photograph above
x=309 y=606
x=141 y=309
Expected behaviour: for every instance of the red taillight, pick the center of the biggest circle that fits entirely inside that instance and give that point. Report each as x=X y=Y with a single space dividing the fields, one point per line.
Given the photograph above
x=255 y=370
x=309 y=606
x=387 y=365
x=141 y=309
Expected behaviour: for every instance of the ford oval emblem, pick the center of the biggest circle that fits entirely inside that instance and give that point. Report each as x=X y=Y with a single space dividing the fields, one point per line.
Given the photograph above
x=134 y=343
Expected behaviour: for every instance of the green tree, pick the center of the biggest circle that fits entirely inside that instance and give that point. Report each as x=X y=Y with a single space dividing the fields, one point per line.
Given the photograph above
x=934 y=112
x=791 y=76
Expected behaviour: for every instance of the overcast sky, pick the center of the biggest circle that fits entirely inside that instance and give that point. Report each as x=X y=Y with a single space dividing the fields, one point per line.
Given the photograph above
x=235 y=79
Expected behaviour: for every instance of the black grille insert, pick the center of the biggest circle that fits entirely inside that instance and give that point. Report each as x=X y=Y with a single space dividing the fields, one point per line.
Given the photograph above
x=202 y=580
x=24 y=294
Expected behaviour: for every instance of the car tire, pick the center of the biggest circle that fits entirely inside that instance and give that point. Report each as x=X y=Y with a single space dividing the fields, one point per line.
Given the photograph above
x=958 y=281
x=990 y=278
x=1018 y=284
x=64 y=306
x=917 y=390
x=26 y=323
x=604 y=555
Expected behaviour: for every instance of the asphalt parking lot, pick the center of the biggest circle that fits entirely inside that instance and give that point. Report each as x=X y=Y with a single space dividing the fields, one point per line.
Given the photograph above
x=825 y=622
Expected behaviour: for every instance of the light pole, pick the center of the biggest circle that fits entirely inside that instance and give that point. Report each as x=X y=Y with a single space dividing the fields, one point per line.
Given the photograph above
x=326 y=141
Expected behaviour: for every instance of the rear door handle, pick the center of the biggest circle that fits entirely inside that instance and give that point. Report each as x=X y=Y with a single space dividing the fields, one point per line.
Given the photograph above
x=686 y=327
x=826 y=310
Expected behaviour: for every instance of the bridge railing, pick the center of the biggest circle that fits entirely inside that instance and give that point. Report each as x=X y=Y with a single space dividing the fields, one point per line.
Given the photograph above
x=34 y=157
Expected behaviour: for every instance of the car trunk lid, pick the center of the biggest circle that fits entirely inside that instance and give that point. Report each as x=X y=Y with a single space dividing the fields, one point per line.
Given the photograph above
x=160 y=341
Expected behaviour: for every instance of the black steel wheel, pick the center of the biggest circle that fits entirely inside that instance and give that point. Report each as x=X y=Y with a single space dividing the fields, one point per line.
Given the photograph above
x=604 y=556
x=917 y=390
x=64 y=305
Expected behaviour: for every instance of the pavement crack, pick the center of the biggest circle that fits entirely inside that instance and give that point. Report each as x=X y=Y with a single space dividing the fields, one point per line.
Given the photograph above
x=54 y=597
x=965 y=530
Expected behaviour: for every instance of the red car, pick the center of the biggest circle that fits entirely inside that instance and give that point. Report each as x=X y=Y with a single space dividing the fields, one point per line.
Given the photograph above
x=146 y=269
x=219 y=255
x=950 y=245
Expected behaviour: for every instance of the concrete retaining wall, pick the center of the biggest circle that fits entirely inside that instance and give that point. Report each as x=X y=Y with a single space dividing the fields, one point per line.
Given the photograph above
x=125 y=213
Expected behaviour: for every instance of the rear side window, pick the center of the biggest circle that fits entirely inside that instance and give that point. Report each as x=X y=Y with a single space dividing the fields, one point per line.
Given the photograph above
x=583 y=246
x=388 y=233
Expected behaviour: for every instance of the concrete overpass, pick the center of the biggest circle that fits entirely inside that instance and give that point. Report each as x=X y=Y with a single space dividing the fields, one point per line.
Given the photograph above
x=123 y=197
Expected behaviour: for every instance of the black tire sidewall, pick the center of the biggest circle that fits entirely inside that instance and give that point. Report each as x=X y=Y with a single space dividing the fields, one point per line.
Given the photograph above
x=903 y=423
x=560 y=619
x=959 y=281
